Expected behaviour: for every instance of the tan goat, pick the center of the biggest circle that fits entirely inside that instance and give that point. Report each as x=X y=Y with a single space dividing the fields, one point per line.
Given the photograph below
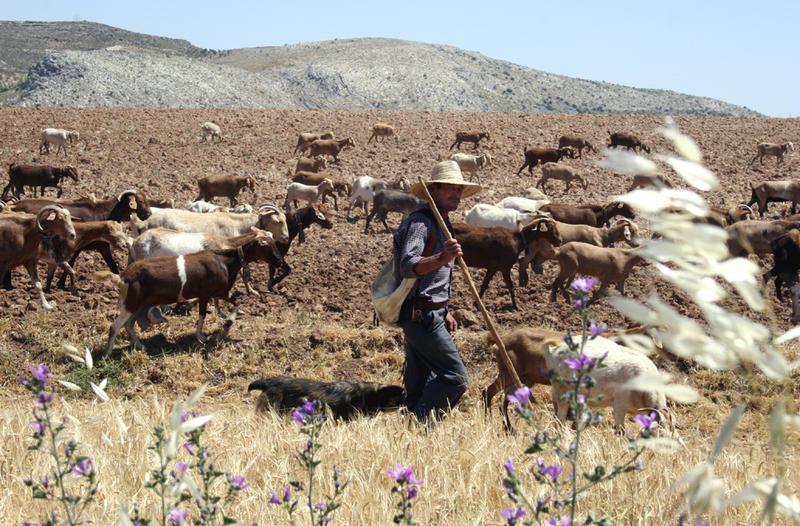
x=562 y=173
x=381 y=130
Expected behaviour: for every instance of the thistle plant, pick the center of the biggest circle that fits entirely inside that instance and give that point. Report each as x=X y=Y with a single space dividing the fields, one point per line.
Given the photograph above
x=172 y=479
x=693 y=256
x=312 y=418
x=71 y=470
x=559 y=507
x=406 y=486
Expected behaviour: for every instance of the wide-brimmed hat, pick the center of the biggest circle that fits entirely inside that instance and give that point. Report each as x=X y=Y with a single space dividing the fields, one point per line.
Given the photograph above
x=447 y=172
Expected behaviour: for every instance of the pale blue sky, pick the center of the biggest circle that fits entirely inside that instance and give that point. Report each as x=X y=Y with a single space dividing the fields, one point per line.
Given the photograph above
x=737 y=51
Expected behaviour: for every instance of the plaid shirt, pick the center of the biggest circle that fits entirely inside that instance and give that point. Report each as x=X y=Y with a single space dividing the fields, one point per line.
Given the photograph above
x=409 y=243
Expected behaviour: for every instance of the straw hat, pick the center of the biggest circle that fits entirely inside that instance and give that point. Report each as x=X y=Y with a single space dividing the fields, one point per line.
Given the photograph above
x=447 y=172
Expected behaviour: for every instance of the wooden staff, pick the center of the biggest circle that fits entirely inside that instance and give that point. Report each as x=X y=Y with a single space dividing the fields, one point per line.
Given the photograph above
x=501 y=355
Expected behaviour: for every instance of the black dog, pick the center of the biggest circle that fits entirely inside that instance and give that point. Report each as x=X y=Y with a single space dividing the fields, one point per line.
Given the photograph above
x=343 y=399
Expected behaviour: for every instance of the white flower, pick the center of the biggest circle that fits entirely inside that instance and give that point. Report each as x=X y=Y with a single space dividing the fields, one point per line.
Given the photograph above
x=684 y=145
x=695 y=174
x=651 y=201
x=626 y=163
x=69 y=385
x=100 y=391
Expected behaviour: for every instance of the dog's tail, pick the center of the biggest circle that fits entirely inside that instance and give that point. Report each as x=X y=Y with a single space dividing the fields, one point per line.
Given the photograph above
x=261 y=385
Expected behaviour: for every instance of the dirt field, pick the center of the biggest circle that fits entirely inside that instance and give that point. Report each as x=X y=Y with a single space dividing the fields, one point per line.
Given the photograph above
x=160 y=152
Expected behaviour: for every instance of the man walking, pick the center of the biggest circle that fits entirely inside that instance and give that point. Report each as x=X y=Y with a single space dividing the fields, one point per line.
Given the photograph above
x=435 y=376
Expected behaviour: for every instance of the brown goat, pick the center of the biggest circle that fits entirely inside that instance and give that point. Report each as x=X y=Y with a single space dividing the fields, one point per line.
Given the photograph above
x=304 y=140
x=56 y=251
x=608 y=265
x=775 y=150
x=381 y=130
x=630 y=142
x=588 y=214
x=37 y=177
x=21 y=234
x=577 y=143
x=524 y=349
x=316 y=164
x=110 y=209
x=164 y=280
x=562 y=173
x=473 y=137
x=496 y=249
x=331 y=147
x=774 y=191
x=228 y=186
x=534 y=156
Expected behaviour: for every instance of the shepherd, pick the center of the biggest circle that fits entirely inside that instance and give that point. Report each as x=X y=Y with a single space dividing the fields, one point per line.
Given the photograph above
x=435 y=376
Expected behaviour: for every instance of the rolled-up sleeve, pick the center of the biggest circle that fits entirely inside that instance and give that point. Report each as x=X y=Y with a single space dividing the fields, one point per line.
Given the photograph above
x=411 y=248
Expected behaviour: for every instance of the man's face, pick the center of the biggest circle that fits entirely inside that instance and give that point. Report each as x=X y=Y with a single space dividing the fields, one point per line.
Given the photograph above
x=446 y=196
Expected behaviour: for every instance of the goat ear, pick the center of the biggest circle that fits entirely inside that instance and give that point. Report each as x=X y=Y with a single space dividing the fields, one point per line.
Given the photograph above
x=543 y=227
x=132 y=202
x=321 y=216
x=51 y=216
x=619 y=205
x=627 y=232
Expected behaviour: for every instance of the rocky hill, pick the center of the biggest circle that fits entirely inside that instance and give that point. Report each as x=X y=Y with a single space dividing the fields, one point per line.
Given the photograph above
x=86 y=64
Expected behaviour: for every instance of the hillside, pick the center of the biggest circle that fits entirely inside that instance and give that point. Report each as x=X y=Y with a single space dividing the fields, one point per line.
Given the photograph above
x=91 y=65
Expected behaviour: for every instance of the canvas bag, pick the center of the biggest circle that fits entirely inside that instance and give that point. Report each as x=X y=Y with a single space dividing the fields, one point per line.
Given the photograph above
x=388 y=295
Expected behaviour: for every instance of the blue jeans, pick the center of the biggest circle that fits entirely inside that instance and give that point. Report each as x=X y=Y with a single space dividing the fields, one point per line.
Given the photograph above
x=435 y=376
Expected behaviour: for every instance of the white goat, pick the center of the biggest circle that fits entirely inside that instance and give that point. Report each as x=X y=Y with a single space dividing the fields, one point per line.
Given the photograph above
x=534 y=193
x=58 y=137
x=489 y=216
x=471 y=163
x=305 y=192
x=204 y=207
x=522 y=204
x=268 y=217
x=621 y=364
x=211 y=130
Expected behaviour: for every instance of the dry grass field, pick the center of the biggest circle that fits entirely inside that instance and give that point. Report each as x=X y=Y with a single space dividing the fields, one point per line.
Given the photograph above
x=318 y=323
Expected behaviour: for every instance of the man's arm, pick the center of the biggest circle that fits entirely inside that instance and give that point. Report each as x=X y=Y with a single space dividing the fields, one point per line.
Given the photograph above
x=450 y=251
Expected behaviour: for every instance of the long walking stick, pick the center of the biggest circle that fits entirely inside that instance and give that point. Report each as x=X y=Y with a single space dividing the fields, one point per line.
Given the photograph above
x=501 y=355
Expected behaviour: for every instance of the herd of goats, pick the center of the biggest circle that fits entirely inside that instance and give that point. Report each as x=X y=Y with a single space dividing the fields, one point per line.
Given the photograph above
x=175 y=255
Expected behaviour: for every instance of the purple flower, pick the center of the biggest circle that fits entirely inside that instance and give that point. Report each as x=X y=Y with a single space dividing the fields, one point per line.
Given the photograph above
x=43 y=398
x=521 y=395
x=412 y=492
x=568 y=339
x=238 y=482
x=509 y=466
x=646 y=420
x=273 y=499
x=177 y=516
x=45 y=482
x=286 y=495
x=552 y=521
x=182 y=467
x=581 y=399
x=39 y=426
x=41 y=373
x=554 y=471
x=583 y=284
x=511 y=515
x=403 y=475
x=188 y=447
x=303 y=413
x=580 y=303
x=597 y=329
x=583 y=362
x=82 y=467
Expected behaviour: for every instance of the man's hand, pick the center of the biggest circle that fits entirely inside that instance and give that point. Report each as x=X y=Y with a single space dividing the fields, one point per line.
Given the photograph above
x=451 y=323
x=450 y=251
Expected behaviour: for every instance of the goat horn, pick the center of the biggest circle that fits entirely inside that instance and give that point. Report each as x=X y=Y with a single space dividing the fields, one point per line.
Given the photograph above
x=49 y=208
x=268 y=207
x=125 y=192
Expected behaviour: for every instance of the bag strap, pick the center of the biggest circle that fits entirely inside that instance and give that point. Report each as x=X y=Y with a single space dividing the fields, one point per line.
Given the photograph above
x=431 y=242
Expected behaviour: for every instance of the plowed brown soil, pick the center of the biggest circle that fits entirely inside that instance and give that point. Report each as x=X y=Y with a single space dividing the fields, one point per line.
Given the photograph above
x=160 y=152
